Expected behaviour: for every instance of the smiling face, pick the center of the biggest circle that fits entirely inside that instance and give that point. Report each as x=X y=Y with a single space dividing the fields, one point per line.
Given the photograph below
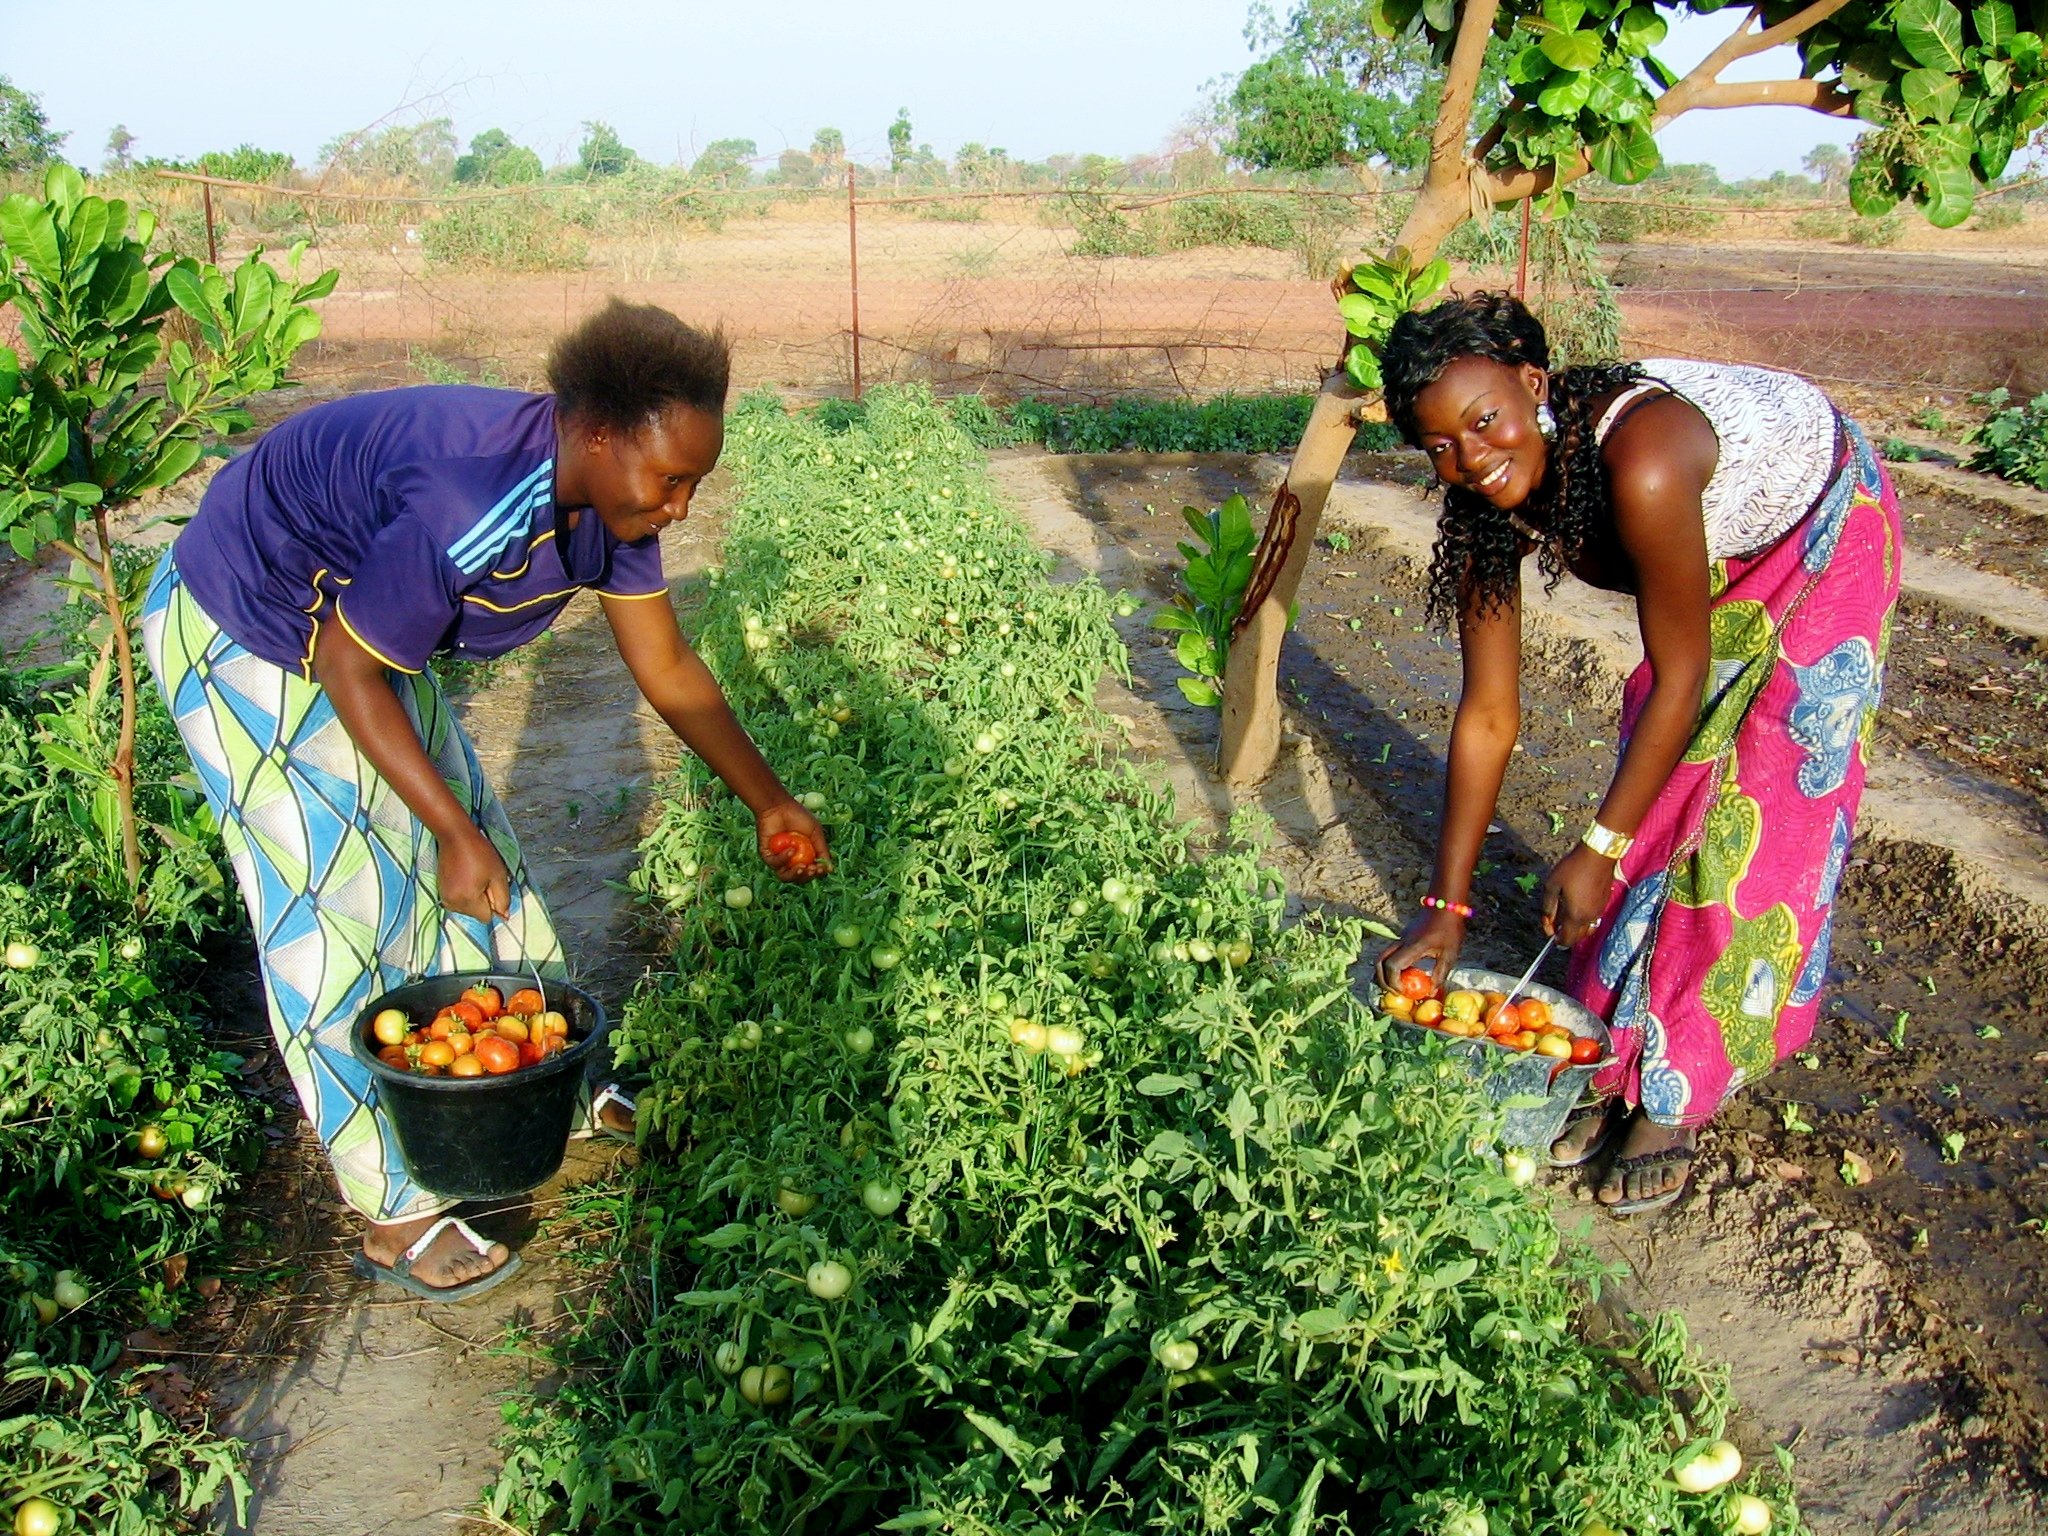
x=1477 y=423
x=639 y=482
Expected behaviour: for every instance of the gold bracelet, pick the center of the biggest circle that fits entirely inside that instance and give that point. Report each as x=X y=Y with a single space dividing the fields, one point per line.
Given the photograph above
x=1606 y=842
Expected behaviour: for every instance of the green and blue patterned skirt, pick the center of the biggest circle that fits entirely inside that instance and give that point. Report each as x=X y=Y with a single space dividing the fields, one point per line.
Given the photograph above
x=338 y=875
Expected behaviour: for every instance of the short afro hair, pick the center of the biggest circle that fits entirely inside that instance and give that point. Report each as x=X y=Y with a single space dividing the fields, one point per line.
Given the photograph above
x=629 y=364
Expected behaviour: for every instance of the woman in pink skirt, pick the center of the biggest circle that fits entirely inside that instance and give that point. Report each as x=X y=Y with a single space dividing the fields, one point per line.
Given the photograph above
x=1759 y=535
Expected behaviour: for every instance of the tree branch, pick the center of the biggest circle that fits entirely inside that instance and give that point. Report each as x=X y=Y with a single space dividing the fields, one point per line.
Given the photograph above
x=1814 y=95
x=1461 y=88
x=1792 y=26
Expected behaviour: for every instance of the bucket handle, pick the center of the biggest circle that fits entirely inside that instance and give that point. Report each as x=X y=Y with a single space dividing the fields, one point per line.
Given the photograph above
x=525 y=958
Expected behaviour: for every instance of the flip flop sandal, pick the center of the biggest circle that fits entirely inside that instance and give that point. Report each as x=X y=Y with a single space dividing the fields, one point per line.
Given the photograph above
x=610 y=1093
x=1651 y=1162
x=1581 y=1112
x=401 y=1275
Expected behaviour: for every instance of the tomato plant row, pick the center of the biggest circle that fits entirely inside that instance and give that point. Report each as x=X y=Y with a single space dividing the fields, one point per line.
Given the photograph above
x=120 y=1129
x=1033 y=1171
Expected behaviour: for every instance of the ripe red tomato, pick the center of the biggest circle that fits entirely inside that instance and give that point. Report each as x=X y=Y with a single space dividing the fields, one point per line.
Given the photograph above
x=530 y=1053
x=1504 y=1020
x=1416 y=983
x=1535 y=1012
x=497 y=1054
x=1585 y=1051
x=525 y=1001
x=801 y=853
x=466 y=1011
x=487 y=1000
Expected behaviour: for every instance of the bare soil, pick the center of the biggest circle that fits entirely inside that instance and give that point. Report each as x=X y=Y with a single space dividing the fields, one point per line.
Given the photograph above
x=1891 y=1330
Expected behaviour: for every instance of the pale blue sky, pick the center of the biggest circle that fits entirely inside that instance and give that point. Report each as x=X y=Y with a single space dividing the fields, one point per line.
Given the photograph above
x=1037 y=79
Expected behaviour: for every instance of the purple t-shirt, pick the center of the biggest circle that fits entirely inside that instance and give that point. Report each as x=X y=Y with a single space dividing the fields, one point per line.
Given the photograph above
x=420 y=520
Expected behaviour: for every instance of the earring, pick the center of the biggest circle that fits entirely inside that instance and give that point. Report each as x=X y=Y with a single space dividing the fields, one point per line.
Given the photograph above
x=1546 y=420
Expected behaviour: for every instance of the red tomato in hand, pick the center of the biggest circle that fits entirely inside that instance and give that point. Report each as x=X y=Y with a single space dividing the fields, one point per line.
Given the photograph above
x=799 y=851
x=1416 y=983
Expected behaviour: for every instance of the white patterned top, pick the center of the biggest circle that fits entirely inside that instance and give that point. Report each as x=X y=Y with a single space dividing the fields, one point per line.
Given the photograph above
x=1777 y=434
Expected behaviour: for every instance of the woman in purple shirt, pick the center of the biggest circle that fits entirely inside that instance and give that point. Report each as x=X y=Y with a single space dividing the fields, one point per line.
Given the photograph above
x=291 y=627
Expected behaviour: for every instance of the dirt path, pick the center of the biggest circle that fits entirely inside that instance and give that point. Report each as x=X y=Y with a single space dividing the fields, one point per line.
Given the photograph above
x=1898 y=1367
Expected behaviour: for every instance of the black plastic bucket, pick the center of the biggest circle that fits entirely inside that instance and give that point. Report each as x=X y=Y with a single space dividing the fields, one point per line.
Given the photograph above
x=483 y=1138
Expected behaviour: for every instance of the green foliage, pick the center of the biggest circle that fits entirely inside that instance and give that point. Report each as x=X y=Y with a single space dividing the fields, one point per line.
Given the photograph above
x=2012 y=440
x=1225 y=424
x=418 y=154
x=726 y=162
x=1822 y=224
x=27 y=141
x=504 y=234
x=1226 y=1258
x=602 y=153
x=79 y=427
x=1999 y=213
x=899 y=141
x=1884 y=229
x=97 y=1450
x=1569 y=290
x=1952 y=93
x=245 y=162
x=1381 y=292
x=1213 y=582
x=494 y=160
x=1306 y=226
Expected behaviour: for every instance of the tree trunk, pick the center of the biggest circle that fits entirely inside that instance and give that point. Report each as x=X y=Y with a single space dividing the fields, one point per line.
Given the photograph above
x=1250 y=740
x=124 y=752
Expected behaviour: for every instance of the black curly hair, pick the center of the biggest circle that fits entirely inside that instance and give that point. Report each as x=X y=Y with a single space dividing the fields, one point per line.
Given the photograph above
x=1477 y=548
x=629 y=364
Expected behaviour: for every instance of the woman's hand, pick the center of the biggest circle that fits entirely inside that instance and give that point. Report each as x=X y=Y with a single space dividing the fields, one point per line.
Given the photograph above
x=1436 y=935
x=474 y=879
x=779 y=826
x=1576 y=894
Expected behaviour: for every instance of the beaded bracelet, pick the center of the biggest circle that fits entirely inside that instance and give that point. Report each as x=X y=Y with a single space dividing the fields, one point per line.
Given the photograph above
x=1441 y=905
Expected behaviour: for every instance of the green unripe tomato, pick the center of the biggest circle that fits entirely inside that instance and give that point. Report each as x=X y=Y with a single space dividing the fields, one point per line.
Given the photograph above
x=859 y=1040
x=828 y=1280
x=883 y=958
x=739 y=896
x=1748 y=1515
x=881 y=1199
x=37 y=1517
x=1177 y=1354
x=794 y=1202
x=728 y=1358
x=21 y=955
x=847 y=935
x=765 y=1386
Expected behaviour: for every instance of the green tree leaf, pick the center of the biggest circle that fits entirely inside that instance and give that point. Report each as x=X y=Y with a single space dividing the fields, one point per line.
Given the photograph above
x=1573 y=50
x=1628 y=156
x=1930 y=96
x=1994 y=22
x=1641 y=29
x=1932 y=32
x=1362 y=366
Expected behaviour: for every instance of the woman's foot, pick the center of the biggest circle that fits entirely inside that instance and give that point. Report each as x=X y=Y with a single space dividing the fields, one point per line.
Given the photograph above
x=615 y=1113
x=1585 y=1132
x=1652 y=1168
x=450 y=1260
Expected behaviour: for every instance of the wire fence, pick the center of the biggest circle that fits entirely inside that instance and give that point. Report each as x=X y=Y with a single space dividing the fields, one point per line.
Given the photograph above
x=1090 y=292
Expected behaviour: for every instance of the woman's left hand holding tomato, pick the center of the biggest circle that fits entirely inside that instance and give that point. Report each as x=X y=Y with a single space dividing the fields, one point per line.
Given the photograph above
x=1576 y=894
x=792 y=842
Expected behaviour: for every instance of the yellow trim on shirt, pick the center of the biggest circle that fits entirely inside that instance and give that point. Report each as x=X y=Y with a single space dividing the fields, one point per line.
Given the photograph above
x=545 y=597
x=630 y=596
x=515 y=575
x=359 y=640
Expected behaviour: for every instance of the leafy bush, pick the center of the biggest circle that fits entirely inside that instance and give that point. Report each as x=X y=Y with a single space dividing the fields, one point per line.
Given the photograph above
x=1999 y=213
x=2012 y=440
x=1226 y=424
x=1822 y=224
x=1032 y=1174
x=504 y=234
x=1885 y=230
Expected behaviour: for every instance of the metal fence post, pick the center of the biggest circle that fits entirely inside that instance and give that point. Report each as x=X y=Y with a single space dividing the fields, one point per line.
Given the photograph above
x=853 y=270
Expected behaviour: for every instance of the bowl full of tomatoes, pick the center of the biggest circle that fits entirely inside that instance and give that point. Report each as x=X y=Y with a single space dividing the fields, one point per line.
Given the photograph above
x=481 y=1074
x=1535 y=1053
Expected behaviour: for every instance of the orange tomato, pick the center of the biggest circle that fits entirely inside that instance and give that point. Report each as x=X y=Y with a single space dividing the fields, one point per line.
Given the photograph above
x=488 y=1000
x=1397 y=1005
x=1535 y=1012
x=1416 y=983
x=551 y=1045
x=525 y=1001
x=512 y=1029
x=1491 y=1000
x=443 y=1026
x=436 y=1053
x=468 y=1012
x=798 y=851
x=1524 y=1040
x=497 y=1054
x=555 y=1023
x=465 y=1066
x=462 y=1042
x=394 y=1056
x=1503 y=1018
x=1429 y=1012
